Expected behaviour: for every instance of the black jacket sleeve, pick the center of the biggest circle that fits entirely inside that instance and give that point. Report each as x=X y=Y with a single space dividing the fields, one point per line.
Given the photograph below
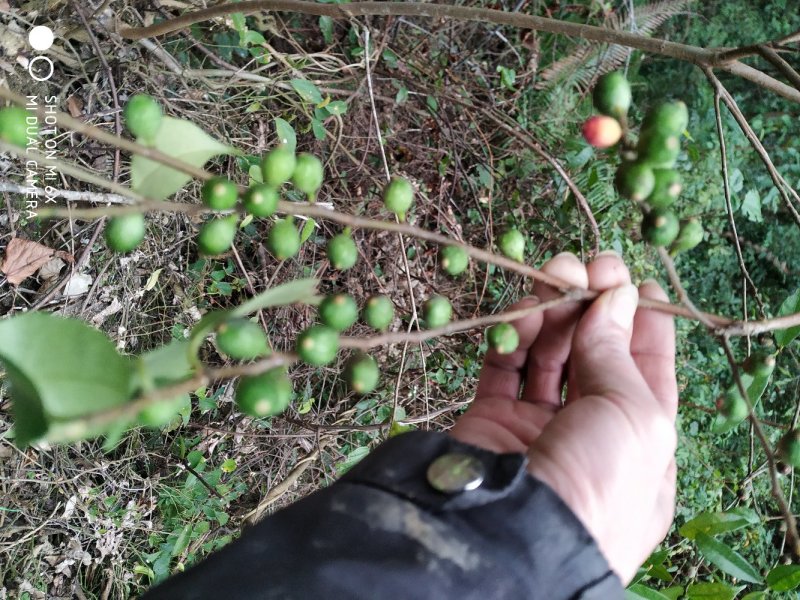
x=383 y=531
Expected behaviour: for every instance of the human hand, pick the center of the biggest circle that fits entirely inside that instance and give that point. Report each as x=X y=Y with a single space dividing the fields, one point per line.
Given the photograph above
x=609 y=450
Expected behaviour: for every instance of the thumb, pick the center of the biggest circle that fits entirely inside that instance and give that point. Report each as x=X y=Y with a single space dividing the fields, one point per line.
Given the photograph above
x=601 y=356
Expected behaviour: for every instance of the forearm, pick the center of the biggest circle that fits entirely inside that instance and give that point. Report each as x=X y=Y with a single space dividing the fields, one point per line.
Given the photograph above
x=384 y=532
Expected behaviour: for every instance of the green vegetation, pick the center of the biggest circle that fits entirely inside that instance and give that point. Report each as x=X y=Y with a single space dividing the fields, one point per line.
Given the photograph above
x=143 y=117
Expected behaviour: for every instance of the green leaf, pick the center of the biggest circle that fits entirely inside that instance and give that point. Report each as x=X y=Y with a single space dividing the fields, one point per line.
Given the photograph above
x=353 y=457
x=712 y=591
x=641 y=592
x=255 y=174
x=239 y=23
x=318 y=128
x=306 y=90
x=308 y=229
x=784 y=337
x=751 y=206
x=432 y=103
x=285 y=134
x=299 y=290
x=755 y=596
x=229 y=466
x=784 y=578
x=337 y=107
x=253 y=38
x=60 y=370
x=727 y=559
x=180 y=139
x=326 y=26
x=165 y=365
x=674 y=592
x=755 y=387
x=402 y=95
x=718 y=522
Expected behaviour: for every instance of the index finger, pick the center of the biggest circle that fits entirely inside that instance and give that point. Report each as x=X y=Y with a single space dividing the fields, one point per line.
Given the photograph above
x=653 y=348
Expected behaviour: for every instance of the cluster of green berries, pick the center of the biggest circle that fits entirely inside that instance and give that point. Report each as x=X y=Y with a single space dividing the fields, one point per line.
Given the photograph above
x=647 y=175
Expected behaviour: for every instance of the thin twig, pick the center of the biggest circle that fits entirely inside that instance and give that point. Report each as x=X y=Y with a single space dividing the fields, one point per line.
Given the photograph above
x=726 y=187
x=69 y=195
x=778 y=61
x=780 y=183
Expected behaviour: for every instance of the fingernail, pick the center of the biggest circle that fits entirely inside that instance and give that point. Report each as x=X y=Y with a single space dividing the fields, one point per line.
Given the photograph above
x=613 y=253
x=650 y=281
x=620 y=305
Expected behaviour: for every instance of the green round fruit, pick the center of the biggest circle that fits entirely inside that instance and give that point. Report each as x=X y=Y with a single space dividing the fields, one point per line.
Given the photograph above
x=789 y=448
x=278 y=166
x=503 y=338
x=338 y=311
x=437 y=312
x=216 y=236
x=125 y=232
x=635 y=181
x=283 y=239
x=732 y=406
x=14 y=126
x=398 y=196
x=308 y=174
x=667 y=188
x=671 y=118
x=219 y=193
x=143 y=116
x=690 y=235
x=378 y=312
x=342 y=252
x=512 y=245
x=660 y=227
x=454 y=259
x=241 y=339
x=612 y=94
x=261 y=200
x=264 y=395
x=160 y=413
x=361 y=373
x=759 y=364
x=658 y=149
x=318 y=345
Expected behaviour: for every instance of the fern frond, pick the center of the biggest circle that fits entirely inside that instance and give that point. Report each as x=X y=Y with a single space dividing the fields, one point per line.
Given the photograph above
x=588 y=61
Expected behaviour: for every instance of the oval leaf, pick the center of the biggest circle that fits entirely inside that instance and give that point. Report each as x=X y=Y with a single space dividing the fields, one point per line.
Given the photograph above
x=299 y=290
x=712 y=591
x=641 y=592
x=285 y=134
x=755 y=387
x=784 y=337
x=784 y=578
x=718 y=522
x=727 y=559
x=180 y=139
x=60 y=370
x=307 y=90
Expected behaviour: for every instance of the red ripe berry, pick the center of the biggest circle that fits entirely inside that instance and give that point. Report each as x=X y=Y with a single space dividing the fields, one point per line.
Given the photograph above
x=602 y=131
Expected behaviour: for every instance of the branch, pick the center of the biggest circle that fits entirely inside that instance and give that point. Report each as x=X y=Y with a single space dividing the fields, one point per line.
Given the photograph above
x=693 y=54
x=777 y=178
x=69 y=195
x=455 y=326
x=731 y=326
x=780 y=64
x=726 y=187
